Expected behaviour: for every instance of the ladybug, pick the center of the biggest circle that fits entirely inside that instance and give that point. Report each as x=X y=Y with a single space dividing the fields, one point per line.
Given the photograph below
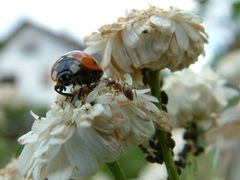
x=75 y=68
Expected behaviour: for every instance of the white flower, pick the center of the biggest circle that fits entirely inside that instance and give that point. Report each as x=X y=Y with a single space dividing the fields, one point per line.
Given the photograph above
x=101 y=176
x=10 y=172
x=228 y=68
x=154 y=171
x=151 y=38
x=180 y=142
x=78 y=134
x=194 y=96
x=225 y=140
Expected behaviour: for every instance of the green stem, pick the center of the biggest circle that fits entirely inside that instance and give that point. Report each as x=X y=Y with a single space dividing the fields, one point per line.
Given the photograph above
x=167 y=156
x=116 y=171
x=154 y=80
x=190 y=167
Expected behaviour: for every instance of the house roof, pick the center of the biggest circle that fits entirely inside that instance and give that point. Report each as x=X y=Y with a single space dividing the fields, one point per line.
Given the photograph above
x=61 y=36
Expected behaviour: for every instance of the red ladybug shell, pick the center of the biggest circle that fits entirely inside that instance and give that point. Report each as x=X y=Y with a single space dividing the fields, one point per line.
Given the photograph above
x=85 y=59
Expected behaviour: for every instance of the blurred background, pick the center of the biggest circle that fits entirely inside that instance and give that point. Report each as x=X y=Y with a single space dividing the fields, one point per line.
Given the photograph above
x=34 y=34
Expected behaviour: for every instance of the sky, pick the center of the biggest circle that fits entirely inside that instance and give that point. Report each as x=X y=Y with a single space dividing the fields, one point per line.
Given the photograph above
x=79 y=18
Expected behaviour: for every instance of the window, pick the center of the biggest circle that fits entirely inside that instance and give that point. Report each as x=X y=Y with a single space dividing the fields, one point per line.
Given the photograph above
x=30 y=47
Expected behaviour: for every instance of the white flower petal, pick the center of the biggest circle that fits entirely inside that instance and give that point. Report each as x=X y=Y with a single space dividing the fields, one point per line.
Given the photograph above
x=80 y=156
x=119 y=52
x=97 y=109
x=128 y=79
x=143 y=128
x=40 y=125
x=59 y=168
x=105 y=99
x=143 y=91
x=91 y=96
x=58 y=129
x=84 y=124
x=34 y=115
x=107 y=54
x=28 y=138
x=191 y=32
x=161 y=42
x=129 y=37
x=96 y=47
x=101 y=147
x=25 y=160
x=182 y=38
x=162 y=23
x=150 y=98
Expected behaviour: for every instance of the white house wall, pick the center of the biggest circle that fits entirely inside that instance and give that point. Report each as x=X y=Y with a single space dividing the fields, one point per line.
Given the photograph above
x=31 y=69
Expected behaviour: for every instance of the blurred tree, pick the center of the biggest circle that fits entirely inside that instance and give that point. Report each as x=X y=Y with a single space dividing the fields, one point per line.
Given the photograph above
x=236 y=10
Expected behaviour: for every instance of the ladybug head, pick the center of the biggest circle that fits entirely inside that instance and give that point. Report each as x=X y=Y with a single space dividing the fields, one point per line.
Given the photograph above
x=65 y=78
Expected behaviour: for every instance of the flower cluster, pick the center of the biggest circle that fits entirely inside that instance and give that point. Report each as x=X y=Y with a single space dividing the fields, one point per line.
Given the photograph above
x=80 y=132
x=225 y=139
x=194 y=96
x=152 y=38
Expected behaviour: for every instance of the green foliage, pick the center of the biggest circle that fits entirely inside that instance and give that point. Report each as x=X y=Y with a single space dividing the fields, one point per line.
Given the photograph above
x=15 y=122
x=7 y=150
x=202 y=167
x=236 y=10
x=203 y=1
x=132 y=162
